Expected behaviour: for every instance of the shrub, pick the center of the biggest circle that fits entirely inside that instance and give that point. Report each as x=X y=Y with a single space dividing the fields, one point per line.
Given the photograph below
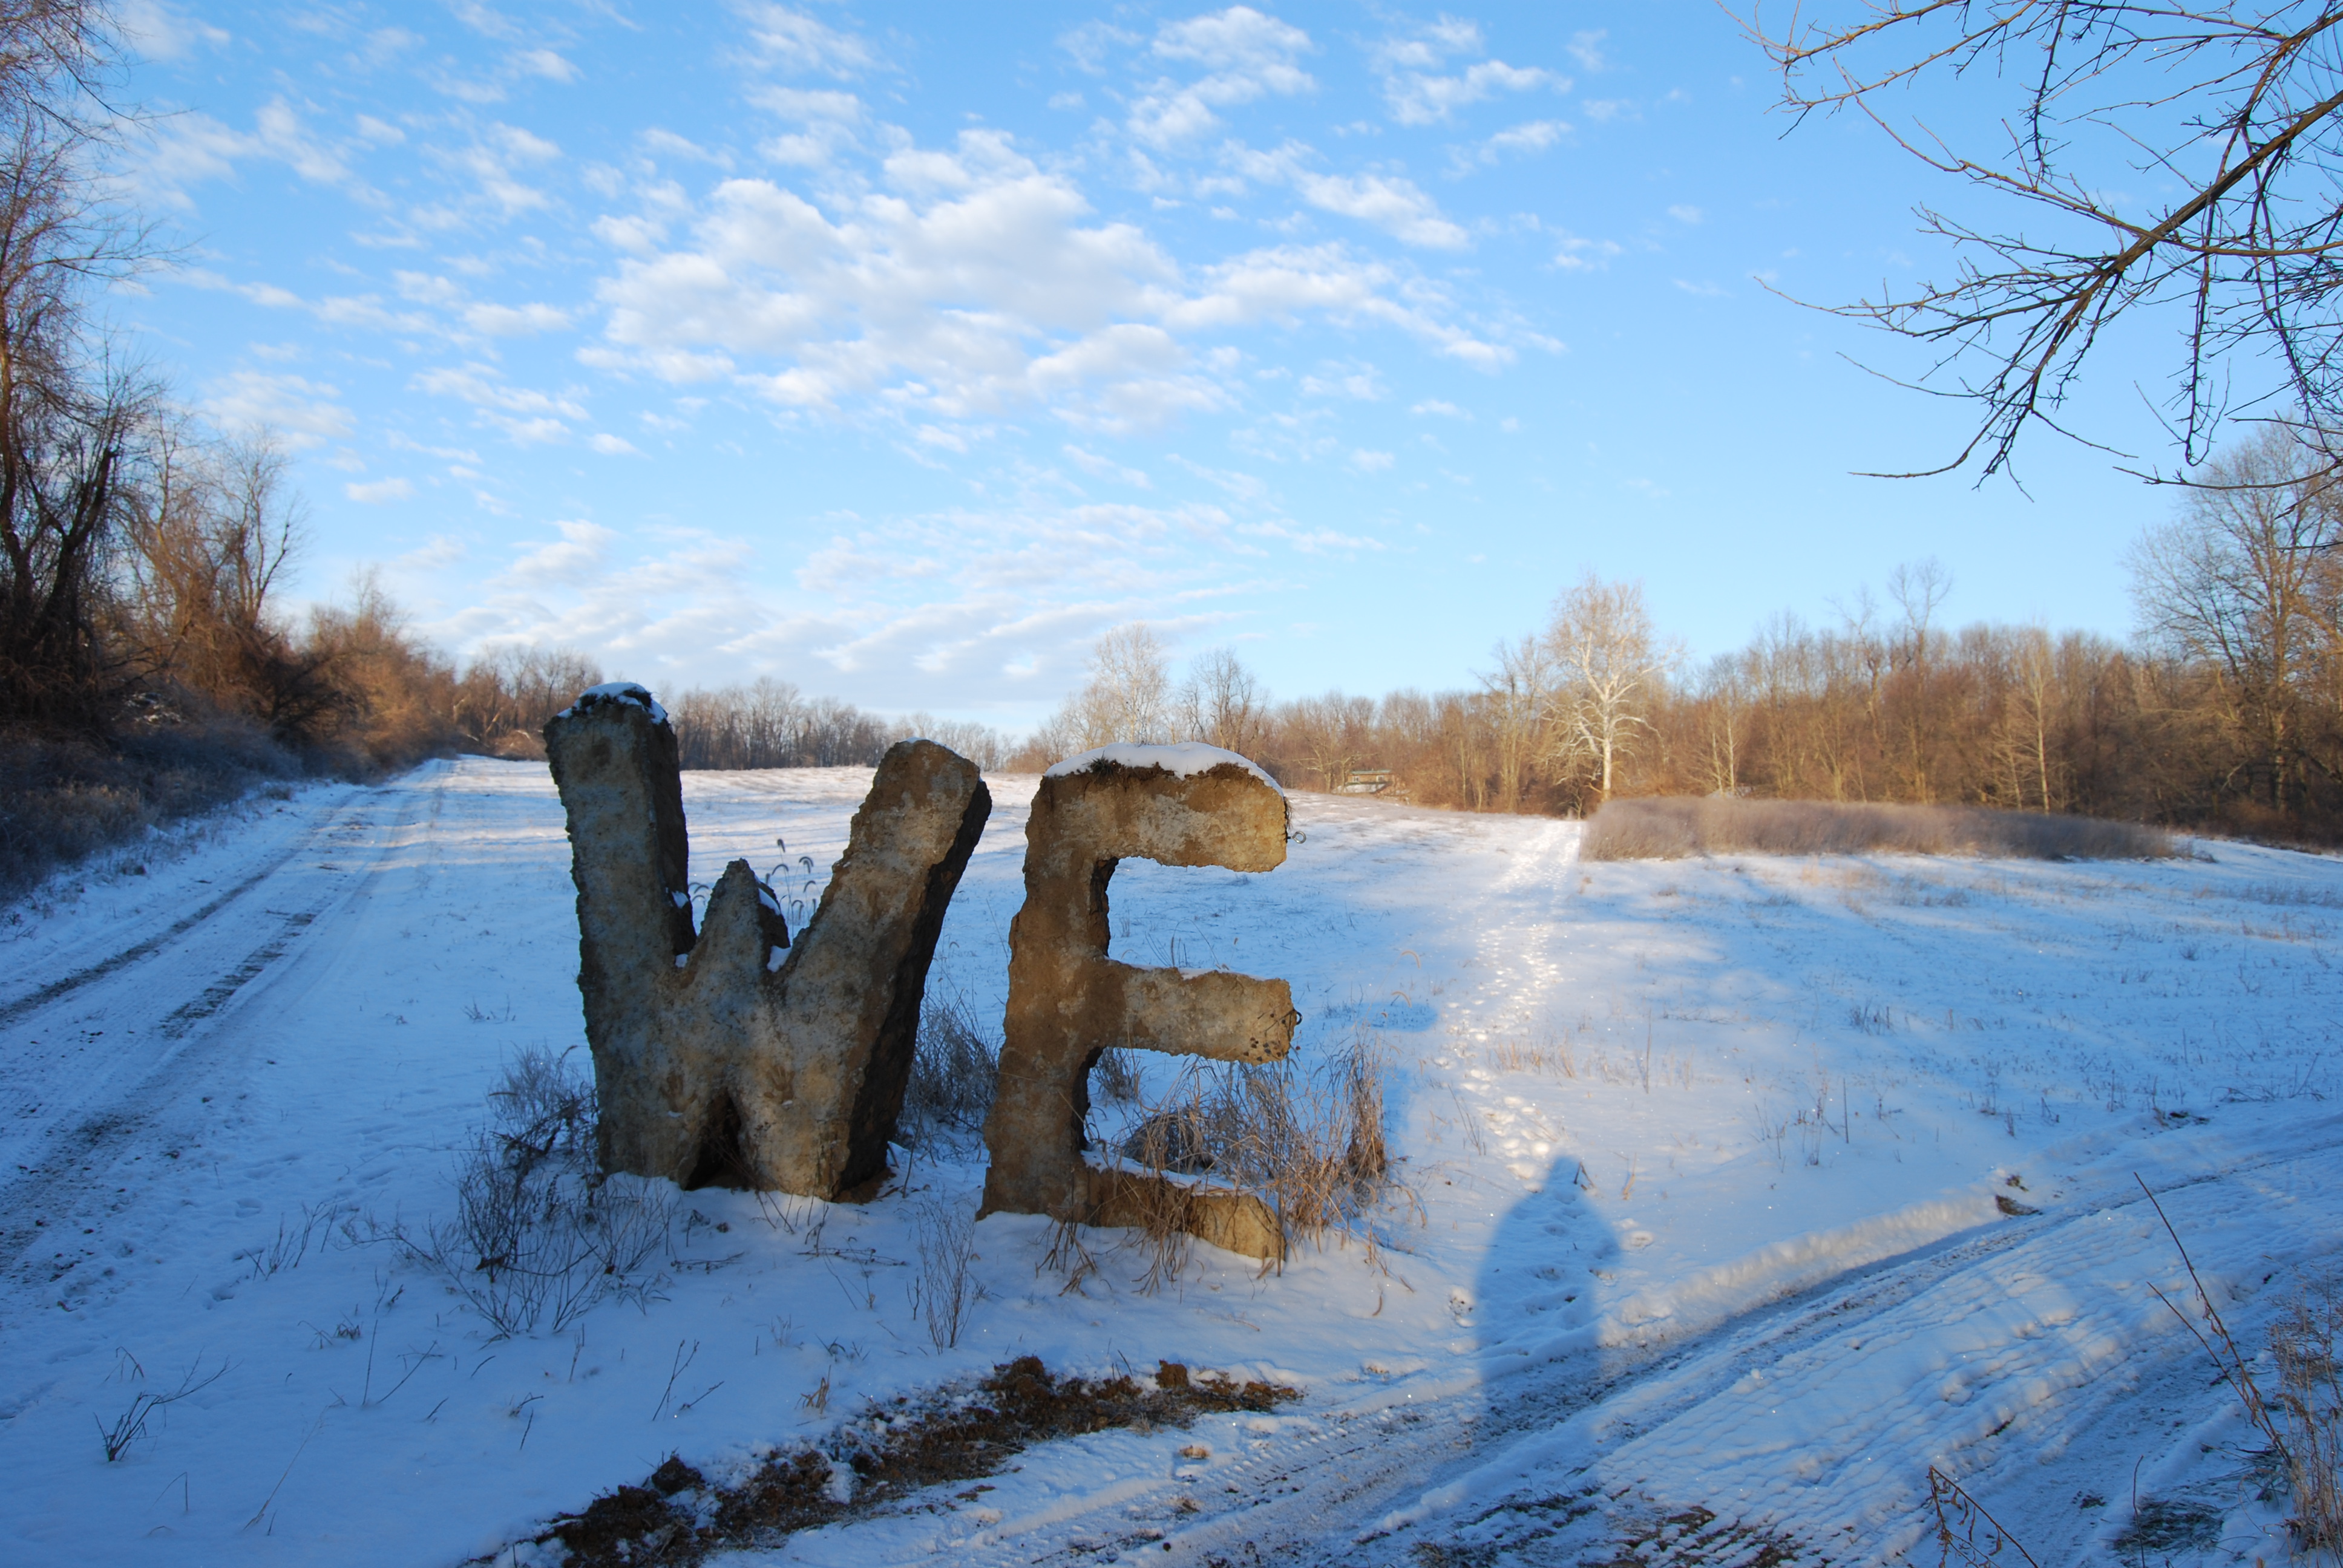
x=1664 y=828
x=538 y=1235
x=63 y=800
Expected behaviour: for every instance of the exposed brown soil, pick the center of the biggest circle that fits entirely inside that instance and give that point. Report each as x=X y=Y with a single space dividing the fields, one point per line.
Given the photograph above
x=889 y=1453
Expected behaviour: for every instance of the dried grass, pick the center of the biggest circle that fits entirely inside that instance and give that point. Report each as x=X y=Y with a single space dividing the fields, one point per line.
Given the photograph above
x=1671 y=829
x=65 y=800
x=1310 y=1147
x=539 y=1237
x=2310 y=1407
x=953 y=1069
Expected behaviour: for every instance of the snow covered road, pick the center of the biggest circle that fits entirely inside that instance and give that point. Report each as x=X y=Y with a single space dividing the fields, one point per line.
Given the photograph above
x=1699 y=1251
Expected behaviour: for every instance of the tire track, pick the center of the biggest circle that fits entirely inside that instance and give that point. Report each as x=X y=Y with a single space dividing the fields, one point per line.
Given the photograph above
x=56 y=990
x=131 y=1086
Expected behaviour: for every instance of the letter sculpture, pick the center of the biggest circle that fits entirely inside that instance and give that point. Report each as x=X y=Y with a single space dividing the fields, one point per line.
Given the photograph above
x=731 y=1058
x=1180 y=806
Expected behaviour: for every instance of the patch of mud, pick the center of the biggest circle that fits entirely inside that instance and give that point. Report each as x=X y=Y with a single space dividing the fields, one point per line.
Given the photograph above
x=877 y=1463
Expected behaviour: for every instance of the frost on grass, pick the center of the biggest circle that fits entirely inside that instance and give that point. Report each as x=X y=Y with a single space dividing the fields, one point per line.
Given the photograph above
x=882 y=1458
x=539 y=1237
x=1672 y=829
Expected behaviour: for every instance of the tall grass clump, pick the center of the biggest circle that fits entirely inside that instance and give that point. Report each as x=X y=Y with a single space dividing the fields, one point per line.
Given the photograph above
x=1310 y=1145
x=540 y=1236
x=953 y=1066
x=2310 y=1410
x=1671 y=828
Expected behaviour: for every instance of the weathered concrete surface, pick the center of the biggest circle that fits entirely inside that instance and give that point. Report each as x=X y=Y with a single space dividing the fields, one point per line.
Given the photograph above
x=1068 y=1000
x=735 y=1058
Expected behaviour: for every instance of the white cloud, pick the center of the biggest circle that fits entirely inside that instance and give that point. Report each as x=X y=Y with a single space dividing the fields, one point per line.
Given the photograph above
x=1444 y=409
x=955 y=284
x=1108 y=468
x=1587 y=49
x=669 y=144
x=1684 y=214
x=1367 y=462
x=303 y=413
x=494 y=160
x=575 y=558
x=1577 y=255
x=1422 y=91
x=1534 y=137
x=515 y=320
x=438 y=553
x=611 y=446
x=380 y=492
x=1248 y=56
x=1423 y=100
x=1289 y=280
x=1359 y=381
x=159 y=31
x=545 y=63
x=187 y=149
x=1395 y=205
x=527 y=416
x=794 y=41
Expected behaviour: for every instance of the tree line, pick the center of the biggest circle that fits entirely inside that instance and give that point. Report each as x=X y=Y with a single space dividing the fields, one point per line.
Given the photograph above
x=2226 y=712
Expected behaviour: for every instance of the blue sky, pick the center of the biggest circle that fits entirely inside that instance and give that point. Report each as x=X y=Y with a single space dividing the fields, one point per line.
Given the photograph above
x=899 y=350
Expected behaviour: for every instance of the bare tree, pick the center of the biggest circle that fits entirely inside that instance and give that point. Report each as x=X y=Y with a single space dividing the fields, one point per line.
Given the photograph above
x=1724 y=700
x=1516 y=697
x=2240 y=582
x=1609 y=669
x=2036 y=670
x=2230 y=110
x=71 y=418
x=1222 y=703
x=1329 y=736
x=210 y=534
x=980 y=743
x=1919 y=591
x=1128 y=698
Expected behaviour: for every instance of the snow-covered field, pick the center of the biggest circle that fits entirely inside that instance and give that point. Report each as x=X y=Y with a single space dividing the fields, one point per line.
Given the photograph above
x=1701 y=1160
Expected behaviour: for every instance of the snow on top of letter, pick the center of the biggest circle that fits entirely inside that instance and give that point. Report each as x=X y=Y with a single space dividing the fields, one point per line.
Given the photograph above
x=1190 y=757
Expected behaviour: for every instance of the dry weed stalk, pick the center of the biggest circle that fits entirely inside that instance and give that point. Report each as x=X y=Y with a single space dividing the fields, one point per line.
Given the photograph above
x=944 y=1290
x=1965 y=1534
x=2305 y=1431
x=2222 y=1347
